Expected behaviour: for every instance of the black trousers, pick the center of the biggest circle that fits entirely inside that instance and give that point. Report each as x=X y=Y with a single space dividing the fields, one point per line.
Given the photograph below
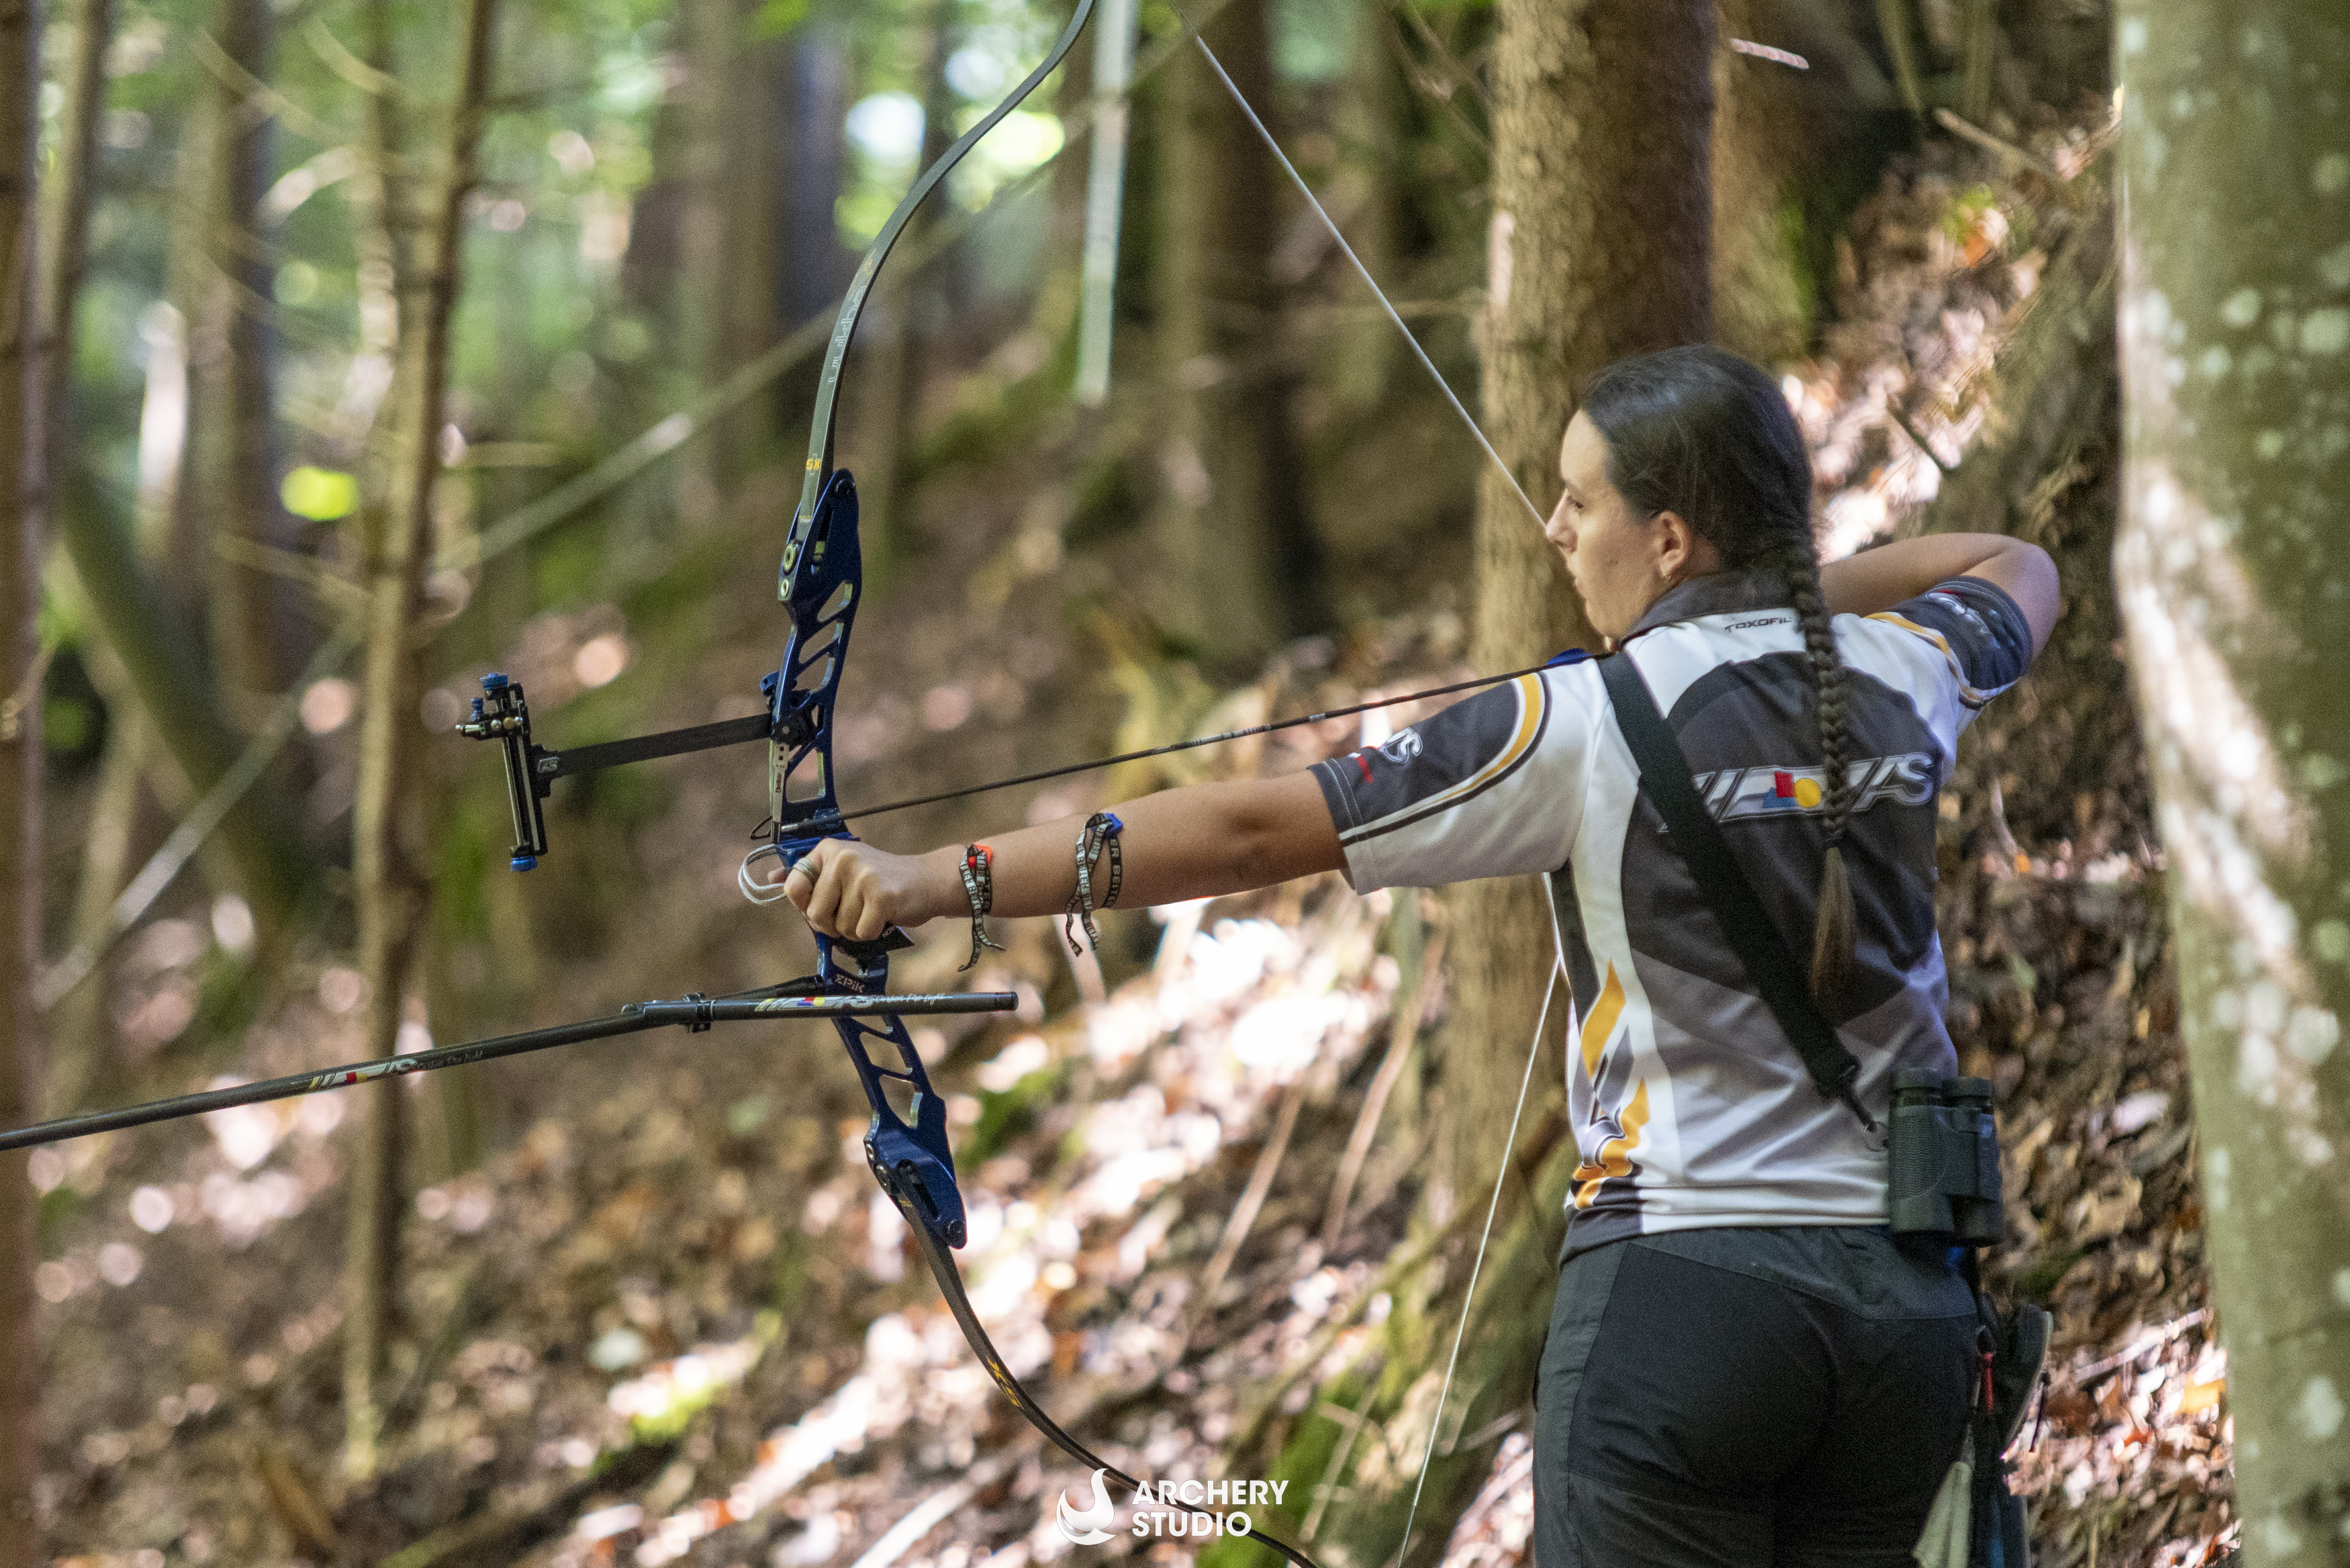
x=1748 y=1396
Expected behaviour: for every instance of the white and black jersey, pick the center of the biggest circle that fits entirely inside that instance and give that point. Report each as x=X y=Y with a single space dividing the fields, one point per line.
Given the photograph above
x=1690 y=1107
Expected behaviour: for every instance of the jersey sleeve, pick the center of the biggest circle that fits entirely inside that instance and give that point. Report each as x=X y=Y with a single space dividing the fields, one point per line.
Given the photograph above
x=1492 y=786
x=1983 y=639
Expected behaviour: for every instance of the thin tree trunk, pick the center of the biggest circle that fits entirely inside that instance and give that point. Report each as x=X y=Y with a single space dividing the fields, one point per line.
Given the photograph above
x=390 y=889
x=707 y=30
x=1239 y=566
x=85 y=28
x=808 y=150
x=1600 y=247
x=144 y=627
x=908 y=312
x=20 y=774
x=1371 y=122
x=132 y=608
x=233 y=478
x=2234 y=550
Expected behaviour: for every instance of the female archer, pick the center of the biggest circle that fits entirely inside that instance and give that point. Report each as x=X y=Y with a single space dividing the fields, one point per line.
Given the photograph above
x=1743 y=1366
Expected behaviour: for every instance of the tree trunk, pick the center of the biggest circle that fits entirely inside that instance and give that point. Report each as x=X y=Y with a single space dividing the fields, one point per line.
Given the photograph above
x=908 y=310
x=136 y=615
x=20 y=776
x=233 y=479
x=75 y=1031
x=1240 y=570
x=1761 y=306
x=1600 y=247
x=391 y=893
x=140 y=617
x=2230 y=568
x=809 y=86
x=720 y=299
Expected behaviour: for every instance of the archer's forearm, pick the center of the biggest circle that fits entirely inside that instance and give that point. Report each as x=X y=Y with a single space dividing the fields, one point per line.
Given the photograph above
x=1199 y=842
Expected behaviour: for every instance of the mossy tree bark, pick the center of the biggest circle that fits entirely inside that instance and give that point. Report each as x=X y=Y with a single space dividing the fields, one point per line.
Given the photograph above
x=20 y=774
x=168 y=687
x=2233 y=568
x=84 y=30
x=1600 y=247
x=391 y=891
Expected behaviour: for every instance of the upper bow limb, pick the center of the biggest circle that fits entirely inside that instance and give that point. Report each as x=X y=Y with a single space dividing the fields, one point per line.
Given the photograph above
x=1199 y=841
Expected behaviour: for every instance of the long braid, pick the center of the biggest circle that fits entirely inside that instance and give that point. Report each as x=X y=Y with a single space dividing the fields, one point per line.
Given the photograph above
x=1700 y=432
x=1833 y=928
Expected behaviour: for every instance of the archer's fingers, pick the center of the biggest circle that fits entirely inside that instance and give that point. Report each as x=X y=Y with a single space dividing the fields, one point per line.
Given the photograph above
x=860 y=913
x=820 y=877
x=871 y=920
x=797 y=881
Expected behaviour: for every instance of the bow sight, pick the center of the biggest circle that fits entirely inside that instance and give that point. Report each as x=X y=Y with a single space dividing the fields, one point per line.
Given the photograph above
x=822 y=578
x=501 y=714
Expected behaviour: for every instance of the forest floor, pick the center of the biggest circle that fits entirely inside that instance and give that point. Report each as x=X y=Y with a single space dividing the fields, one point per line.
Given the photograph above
x=672 y=1321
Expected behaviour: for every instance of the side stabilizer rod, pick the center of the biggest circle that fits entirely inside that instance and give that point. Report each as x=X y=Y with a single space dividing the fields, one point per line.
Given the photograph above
x=696 y=1014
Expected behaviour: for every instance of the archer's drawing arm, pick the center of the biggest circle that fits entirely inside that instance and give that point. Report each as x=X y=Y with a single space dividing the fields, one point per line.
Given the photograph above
x=1878 y=579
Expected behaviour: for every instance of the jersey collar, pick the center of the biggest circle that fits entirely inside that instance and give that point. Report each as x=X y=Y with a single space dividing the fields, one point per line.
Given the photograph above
x=1716 y=593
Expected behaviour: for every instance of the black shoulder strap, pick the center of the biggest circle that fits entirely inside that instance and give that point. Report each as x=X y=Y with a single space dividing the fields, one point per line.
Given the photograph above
x=1665 y=775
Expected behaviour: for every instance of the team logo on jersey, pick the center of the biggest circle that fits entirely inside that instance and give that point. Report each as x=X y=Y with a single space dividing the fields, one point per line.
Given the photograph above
x=1740 y=795
x=1402 y=746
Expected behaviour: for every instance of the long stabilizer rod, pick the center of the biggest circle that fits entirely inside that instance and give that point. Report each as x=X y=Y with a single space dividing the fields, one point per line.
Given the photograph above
x=696 y=1012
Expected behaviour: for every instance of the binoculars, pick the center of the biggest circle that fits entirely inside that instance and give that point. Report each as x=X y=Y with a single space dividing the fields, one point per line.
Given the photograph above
x=1944 y=1152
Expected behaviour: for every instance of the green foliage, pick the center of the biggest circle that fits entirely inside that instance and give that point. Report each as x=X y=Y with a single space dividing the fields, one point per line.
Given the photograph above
x=320 y=494
x=1966 y=210
x=1315 y=41
x=68 y=725
x=787 y=1273
x=57 y=1206
x=778 y=19
x=1108 y=503
x=227 y=1001
x=1012 y=1112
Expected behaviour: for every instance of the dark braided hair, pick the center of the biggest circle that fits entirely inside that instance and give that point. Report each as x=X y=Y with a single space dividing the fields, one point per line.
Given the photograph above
x=1701 y=433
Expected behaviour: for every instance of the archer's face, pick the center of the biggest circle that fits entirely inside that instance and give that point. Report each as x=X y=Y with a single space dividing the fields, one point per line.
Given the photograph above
x=1613 y=554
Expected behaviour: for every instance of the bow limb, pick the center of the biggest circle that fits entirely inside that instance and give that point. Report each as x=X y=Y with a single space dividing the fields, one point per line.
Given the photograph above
x=820 y=431
x=821 y=581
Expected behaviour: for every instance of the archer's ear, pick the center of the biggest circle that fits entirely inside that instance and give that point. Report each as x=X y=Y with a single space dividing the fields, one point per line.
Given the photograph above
x=1678 y=545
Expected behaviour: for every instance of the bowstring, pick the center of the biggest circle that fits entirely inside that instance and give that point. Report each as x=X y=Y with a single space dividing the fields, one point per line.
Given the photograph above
x=1508 y=1148
x=1550 y=990
x=1365 y=273
x=966 y=791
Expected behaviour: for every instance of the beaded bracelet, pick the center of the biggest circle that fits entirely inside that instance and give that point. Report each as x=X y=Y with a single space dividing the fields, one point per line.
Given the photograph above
x=979 y=887
x=1101 y=834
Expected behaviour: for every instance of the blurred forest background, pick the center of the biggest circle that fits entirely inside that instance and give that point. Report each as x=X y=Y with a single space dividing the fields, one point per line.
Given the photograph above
x=406 y=342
